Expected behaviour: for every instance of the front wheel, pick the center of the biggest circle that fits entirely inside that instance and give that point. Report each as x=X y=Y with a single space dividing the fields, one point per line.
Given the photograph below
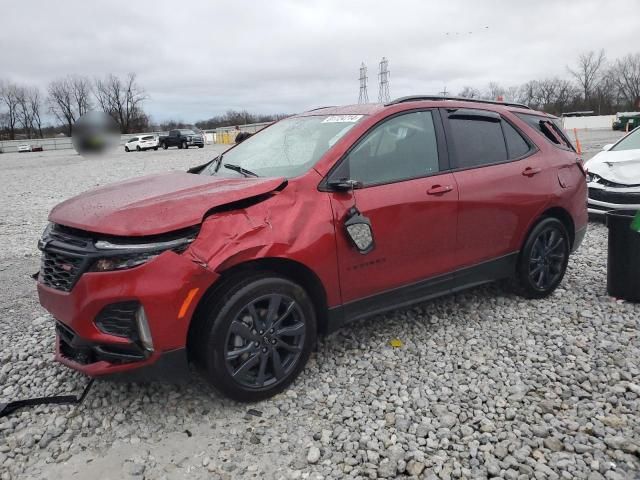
x=138 y=148
x=126 y=149
x=184 y=145
x=543 y=260
x=164 y=146
x=256 y=336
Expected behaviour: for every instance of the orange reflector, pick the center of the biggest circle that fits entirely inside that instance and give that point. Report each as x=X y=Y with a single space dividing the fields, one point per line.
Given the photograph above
x=187 y=301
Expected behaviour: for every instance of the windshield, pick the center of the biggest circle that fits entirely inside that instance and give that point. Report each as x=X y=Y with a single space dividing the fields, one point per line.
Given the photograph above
x=630 y=142
x=187 y=132
x=288 y=148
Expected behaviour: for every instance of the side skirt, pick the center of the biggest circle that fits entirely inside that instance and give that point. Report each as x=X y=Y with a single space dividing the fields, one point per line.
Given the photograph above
x=423 y=290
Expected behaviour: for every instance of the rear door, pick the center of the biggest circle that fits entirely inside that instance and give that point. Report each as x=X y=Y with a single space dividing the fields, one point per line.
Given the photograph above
x=504 y=182
x=408 y=196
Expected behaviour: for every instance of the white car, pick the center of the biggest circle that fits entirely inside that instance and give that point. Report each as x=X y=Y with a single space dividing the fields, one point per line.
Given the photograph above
x=142 y=142
x=613 y=176
x=24 y=148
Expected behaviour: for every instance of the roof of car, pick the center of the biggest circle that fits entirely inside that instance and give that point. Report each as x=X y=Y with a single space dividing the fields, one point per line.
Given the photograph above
x=371 y=108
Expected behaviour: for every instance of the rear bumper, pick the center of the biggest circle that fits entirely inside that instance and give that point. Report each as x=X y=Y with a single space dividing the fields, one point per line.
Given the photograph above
x=81 y=345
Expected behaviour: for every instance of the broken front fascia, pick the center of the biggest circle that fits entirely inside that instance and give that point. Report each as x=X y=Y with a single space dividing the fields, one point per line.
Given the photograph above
x=286 y=224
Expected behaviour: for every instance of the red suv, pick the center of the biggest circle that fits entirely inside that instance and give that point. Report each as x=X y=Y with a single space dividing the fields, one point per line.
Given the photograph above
x=325 y=217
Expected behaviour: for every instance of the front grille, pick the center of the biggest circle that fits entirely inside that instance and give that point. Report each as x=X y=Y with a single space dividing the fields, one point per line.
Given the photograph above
x=59 y=270
x=618 y=198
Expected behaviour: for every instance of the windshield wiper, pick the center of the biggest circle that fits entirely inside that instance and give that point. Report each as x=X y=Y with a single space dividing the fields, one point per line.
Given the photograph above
x=239 y=169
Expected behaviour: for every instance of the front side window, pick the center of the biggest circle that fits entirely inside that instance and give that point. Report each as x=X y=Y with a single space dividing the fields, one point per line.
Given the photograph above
x=630 y=142
x=287 y=148
x=477 y=141
x=401 y=148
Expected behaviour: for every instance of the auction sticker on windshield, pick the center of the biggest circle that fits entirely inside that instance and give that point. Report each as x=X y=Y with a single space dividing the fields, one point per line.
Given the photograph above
x=342 y=118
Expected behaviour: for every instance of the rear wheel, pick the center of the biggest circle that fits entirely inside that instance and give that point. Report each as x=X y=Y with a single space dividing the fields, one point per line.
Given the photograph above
x=164 y=146
x=138 y=148
x=543 y=260
x=256 y=336
x=126 y=149
x=155 y=148
x=200 y=146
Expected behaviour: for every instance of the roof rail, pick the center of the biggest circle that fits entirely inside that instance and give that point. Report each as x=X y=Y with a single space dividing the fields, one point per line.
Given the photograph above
x=320 y=108
x=416 y=98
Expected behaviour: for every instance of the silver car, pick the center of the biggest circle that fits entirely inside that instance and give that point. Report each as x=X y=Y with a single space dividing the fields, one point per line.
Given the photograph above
x=613 y=176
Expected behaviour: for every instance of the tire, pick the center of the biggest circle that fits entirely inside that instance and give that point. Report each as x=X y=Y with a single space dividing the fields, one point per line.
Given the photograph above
x=164 y=146
x=184 y=145
x=155 y=149
x=138 y=148
x=200 y=146
x=543 y=260
x=230 y=348
x=126 y=149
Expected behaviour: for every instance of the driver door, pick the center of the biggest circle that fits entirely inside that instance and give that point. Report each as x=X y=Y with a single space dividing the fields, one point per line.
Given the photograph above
x=408 y=197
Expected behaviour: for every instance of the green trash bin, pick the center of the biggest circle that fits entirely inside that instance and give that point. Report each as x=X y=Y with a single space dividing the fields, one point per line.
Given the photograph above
x=623 y=260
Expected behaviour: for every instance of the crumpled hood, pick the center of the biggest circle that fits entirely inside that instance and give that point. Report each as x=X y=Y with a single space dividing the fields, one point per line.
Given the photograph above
x=156 y=203
x=619 y=167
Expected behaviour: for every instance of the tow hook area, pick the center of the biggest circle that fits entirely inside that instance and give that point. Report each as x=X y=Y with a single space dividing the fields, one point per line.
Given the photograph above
x=8 y=408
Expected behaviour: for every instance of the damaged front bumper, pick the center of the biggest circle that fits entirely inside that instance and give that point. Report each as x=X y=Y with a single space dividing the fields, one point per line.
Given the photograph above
x=604 y=198
x=98 y=320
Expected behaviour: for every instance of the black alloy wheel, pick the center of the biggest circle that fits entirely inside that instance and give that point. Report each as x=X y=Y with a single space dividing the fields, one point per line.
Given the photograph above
x=265 y=341
x=254 y=335
x=543 y=260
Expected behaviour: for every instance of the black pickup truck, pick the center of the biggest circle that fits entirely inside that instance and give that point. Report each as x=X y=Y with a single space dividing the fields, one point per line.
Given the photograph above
x=183 y=138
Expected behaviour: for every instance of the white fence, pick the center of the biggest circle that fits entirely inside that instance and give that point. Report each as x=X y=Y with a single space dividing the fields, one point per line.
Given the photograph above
x=64 y=143
x=586 y=123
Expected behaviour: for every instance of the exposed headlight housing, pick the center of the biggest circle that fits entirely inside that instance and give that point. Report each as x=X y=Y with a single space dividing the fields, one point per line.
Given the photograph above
x=121 y=256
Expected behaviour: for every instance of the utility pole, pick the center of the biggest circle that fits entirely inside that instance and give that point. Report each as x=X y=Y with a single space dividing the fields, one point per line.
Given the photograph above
x=383 y=95
x=364 y=96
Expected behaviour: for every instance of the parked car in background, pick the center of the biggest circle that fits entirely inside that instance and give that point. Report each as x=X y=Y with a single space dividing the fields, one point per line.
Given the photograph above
x=142 y=142
x=24 y=148
x=613 y=176
x=329 y=216
x=36 y=148
x=182 y=138
x=626 y=122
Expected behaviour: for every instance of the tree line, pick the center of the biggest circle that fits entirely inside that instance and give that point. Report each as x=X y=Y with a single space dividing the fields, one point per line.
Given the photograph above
x=23 y=108
x=593 y=83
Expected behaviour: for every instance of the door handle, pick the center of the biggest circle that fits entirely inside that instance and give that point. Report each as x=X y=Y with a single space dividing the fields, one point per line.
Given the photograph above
x=531 y=171
x=439 y=189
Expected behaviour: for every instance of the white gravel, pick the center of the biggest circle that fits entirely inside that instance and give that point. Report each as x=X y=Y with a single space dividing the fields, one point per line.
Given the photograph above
x=485 y=384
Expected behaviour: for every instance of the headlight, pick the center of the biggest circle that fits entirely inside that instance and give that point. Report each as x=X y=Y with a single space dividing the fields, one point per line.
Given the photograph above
x=45 y=235
x=121 y=256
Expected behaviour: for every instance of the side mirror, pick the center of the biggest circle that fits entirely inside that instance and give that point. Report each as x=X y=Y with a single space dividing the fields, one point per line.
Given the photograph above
x=359 y=231
x=344 y=184
x=607 y=147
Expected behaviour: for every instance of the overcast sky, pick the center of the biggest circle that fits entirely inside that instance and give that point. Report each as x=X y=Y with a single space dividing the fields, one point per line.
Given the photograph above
x=198 y=59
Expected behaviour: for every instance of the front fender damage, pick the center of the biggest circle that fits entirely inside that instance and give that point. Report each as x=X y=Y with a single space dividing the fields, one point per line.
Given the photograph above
x=274 y=225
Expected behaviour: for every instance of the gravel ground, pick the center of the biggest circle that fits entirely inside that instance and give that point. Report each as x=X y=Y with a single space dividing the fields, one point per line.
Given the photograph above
x=485 y=384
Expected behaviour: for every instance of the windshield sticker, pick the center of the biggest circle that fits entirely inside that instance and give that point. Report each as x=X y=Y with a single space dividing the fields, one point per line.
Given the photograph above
x=342 y=119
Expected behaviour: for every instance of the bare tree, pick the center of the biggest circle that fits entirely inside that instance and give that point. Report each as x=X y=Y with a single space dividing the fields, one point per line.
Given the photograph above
x=35 y=106
x=25 y=117
x=494 y=91
x=69 y=98
x=626 y=77
x=588 y=71
x=9 y=98
x=122 y=99
x=469 y=92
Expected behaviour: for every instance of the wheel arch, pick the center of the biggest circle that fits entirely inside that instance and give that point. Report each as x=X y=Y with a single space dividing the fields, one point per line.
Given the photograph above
x=290 y=269
x=565 y=217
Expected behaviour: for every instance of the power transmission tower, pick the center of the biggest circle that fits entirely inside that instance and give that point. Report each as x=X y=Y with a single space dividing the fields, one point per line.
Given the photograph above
x=364 y=96
x=383 y=95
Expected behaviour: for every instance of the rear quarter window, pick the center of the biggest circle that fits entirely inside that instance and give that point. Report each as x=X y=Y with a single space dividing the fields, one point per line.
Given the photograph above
x=477 y=142
x=548 y=128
